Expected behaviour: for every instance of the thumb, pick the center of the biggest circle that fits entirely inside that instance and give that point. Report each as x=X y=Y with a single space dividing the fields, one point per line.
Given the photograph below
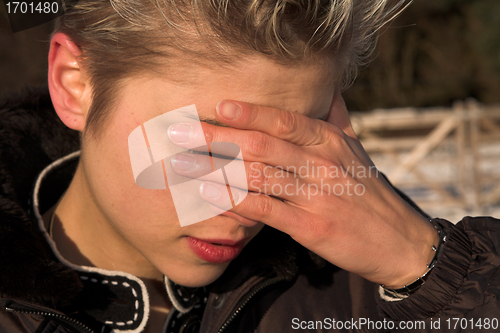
x=339 y=116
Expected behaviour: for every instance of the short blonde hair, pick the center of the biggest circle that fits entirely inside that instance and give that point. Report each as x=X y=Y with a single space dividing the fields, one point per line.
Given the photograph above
x=121 y=37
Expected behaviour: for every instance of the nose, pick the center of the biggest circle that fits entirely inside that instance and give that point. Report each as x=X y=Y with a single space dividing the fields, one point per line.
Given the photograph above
x=240 y=219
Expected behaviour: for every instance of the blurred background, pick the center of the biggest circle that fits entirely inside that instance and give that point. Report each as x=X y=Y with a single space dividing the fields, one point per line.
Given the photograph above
x=427 y=109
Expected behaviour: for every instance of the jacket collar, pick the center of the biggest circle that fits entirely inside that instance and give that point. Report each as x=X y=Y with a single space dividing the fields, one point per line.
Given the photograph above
x=117 y=299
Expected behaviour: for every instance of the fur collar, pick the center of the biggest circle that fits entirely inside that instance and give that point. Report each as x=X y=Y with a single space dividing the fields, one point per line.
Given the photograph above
x=31 y=136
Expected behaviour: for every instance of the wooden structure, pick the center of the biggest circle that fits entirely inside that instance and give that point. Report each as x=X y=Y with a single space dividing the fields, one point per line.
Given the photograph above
x=452 y=154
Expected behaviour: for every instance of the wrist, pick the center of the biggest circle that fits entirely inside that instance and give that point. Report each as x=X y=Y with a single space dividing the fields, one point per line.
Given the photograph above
x=413 y=284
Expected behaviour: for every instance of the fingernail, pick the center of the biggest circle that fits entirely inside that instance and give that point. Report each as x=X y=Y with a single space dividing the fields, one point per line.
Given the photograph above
x=183 y=162
x=180 y=133
x=228 y=110
x=209 y=191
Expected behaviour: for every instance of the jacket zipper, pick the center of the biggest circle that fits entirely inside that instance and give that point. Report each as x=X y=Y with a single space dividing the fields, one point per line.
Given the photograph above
x=244 y=302
x=73 y=322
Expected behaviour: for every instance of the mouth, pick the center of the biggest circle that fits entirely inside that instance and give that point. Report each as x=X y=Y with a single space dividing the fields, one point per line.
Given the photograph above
x=216 y=251
x=224 y=242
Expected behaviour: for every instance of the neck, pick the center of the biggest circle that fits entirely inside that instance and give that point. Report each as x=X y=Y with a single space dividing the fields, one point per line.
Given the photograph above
x=84 y=236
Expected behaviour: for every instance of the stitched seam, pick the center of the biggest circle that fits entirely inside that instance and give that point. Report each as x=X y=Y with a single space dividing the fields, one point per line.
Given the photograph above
x=126 y=285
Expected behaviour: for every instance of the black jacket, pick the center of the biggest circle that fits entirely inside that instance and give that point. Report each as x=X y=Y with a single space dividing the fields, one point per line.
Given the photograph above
x=275 y=285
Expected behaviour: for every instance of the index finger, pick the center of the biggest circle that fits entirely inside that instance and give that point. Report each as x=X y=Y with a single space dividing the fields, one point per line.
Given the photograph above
x=289 y=126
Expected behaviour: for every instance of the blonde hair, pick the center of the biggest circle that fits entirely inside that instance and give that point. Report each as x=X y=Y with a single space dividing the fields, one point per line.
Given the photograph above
x=121 y=37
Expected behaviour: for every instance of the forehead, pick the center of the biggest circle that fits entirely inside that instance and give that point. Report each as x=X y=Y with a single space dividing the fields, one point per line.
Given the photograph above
x=304 y=87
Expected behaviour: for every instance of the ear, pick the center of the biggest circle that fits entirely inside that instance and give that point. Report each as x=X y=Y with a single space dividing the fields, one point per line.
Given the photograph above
x=339 y=116
x=69 y=86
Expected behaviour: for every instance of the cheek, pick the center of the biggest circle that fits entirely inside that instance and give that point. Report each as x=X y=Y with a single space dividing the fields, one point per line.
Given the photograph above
x=110 y=178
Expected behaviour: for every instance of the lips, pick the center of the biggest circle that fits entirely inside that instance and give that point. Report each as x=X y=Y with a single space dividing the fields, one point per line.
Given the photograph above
x=216 y=251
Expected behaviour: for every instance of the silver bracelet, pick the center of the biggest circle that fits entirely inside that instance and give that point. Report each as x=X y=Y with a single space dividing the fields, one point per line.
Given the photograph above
x=415 y=285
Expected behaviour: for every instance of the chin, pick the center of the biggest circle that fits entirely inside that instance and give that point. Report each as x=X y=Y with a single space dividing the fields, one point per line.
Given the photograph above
x=198 y=277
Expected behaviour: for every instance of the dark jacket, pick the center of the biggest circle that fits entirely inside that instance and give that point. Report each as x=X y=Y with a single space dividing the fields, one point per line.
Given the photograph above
x=275 y=285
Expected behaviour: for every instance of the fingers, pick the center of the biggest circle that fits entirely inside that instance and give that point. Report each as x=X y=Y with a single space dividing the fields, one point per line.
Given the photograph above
x=256 y=207
x=289 y=126
x=255 y=146
x=260 y=177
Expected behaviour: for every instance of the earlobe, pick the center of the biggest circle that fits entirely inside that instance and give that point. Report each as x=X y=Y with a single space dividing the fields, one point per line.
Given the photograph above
x=68 y=84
